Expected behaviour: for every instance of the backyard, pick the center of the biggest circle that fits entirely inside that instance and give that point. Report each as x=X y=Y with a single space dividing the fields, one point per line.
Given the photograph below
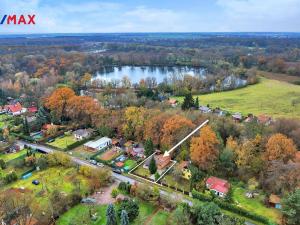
x=11 y=156
x=109 y=154
x=63 y=142
x=55 y=178
x=148 y=214
x=80 y=152
x=254 y=204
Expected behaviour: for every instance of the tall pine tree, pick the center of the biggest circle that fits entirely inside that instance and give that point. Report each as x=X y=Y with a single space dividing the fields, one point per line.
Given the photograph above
x=188 y=101
x=124 y=218
x=111 y=218
x=149 y=147
x=197 y=103
x=26 y=127
x=152 y=166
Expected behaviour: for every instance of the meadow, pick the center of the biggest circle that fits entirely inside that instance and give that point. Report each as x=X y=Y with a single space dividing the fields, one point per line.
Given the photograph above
x=270 y=97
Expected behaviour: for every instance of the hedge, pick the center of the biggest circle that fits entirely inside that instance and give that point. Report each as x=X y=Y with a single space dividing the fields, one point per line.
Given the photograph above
x=230 y=207
x=25 y=137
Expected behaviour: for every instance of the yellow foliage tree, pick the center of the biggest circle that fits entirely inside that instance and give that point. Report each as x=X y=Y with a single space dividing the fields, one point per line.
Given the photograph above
x=204 y=149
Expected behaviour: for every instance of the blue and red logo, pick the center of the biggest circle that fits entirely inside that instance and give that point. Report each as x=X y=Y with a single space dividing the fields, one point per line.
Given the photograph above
x=18 y=19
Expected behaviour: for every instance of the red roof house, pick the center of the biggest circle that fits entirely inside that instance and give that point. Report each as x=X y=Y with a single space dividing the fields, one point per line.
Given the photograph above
x=15 y=109
x=264 y=119
x=32 y=109
x=219 y=186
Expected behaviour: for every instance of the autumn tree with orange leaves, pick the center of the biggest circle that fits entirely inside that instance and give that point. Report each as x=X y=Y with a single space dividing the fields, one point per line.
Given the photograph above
x=280 y=147
x=58 y=101
x=174 y=129
x=204 y=149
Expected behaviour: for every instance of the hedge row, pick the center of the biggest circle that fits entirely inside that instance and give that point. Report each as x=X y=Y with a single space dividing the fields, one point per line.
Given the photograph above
x=77 y=143
x=230 y=207
x=25 y=137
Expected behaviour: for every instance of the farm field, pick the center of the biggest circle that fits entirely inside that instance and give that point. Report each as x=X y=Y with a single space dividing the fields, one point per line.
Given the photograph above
x=63 y=142
x=271 y=97
x=148 y=214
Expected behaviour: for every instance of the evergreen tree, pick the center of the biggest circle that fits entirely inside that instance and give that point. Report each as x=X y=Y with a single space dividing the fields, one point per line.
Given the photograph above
x=111 y=218
x=149 y=147
x=152 y=166
x=197 y=103
x=188 y=101
x=26 y=129
x=124 y=218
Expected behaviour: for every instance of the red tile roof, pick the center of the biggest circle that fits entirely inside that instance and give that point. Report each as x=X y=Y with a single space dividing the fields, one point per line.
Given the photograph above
x=14 y=108
x=32 y=109
x=218 y=184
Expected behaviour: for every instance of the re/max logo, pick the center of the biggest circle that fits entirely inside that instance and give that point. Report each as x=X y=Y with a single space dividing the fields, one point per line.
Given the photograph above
x=15 y=19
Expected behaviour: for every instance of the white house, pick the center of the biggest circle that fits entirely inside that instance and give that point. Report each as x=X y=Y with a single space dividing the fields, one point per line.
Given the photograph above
x=98 y=144
x=81 y=134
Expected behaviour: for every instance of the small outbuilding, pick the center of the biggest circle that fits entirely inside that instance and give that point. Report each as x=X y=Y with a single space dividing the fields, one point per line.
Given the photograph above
x=275 y=201
x=98 y=144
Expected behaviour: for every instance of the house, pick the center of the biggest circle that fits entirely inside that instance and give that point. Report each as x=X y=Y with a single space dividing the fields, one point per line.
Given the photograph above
x=161 y=161
x=237 y=117
x=275 y=201
x=32 y=109
x=249 y=118
x=219 y=112
x=81 y=134
x=264 y=119
x=186 y=172
x=98 y=144
x=15 y=109
x=219 y=186
x=173 y=102
x=136 y=152
x=204 y=109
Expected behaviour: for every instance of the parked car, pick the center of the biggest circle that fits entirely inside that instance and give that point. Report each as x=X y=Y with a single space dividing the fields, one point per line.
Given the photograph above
x=88 y=200
x=93 y=162
x=100 y=164
x=117 y=171
x=35 y=182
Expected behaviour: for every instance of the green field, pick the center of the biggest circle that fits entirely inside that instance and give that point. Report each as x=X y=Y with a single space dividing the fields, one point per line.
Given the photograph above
x=63 y=142
x=11 y=156
x=254 y=205
x=79 y=214
x=269 y=97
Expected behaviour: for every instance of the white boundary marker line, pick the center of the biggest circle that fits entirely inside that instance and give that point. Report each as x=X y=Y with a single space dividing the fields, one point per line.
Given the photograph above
x=141 y=162
x=161 y=176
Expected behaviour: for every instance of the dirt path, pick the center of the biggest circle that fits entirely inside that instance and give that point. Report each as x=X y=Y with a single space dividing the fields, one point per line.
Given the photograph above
x=148 y=220
x=104 y=195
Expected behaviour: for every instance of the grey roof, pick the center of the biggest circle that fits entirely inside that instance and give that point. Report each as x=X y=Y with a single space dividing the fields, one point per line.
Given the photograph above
x=83 y=132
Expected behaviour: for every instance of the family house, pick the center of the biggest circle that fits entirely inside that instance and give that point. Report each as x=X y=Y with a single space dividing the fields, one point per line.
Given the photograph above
x=81 y=134
x=275 y=201
x=264 y=119
x=161 y=161
x=15 y=109
x=98 y=144
x=32 y=109
x=204 y=109
x=186 y=172
x=237 y=117
x=136 y=152
x=219 y=186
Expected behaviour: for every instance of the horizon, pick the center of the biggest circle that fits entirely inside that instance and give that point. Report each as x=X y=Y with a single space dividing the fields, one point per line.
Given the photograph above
x=128 y=16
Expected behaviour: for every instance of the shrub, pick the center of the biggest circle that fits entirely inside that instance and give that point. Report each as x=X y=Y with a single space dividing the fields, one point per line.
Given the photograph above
x=123 y=186
x=114 y=193
x=131 y=207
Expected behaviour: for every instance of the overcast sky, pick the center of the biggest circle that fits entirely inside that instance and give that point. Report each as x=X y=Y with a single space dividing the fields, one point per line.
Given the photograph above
x=74 y=16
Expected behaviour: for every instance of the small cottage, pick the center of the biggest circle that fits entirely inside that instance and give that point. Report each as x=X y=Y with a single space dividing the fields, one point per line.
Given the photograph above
x=81 y=134
x=219 y=186
x=275 y=201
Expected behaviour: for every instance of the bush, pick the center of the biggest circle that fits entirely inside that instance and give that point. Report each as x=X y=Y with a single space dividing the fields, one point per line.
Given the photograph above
x=131 y=207
x=10 y=177
x=230 y=207
x=123 y=186
x=114 y=193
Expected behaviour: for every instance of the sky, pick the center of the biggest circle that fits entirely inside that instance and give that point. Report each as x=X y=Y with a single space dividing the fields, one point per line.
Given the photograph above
x=111 y=16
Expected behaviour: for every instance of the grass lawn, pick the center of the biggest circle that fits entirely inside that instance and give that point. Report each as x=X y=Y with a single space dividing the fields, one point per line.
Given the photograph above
x=80 y=152
x=80 y=215
x=270 y=97
x=160 y=218
x=129 y=164
x=145 y=210
x=55 y=178
x=63 y=142
x=4 y=117
x=11 y=156
x=254 y=204
x=141 y=171
x=182 y=184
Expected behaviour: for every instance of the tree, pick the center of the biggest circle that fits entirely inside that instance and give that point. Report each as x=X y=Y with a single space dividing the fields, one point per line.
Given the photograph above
x=152 y=166
x=149 y=147
x=175 y=129
x=291 y=208
x=204 y=151
x=197 y=175
x=58 y=101
x=226 y=162
x=197 y=103
x=207 y=214
x=188 y=101
x=134 y=122
x=86 y=79
x=124 y=218
x=181 y=216
x=131 y=207
x=26 y=129
x=279 y=147
x=111 y=218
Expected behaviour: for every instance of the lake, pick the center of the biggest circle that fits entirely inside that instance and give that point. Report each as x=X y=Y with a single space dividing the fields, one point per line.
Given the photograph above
x=136 y=73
